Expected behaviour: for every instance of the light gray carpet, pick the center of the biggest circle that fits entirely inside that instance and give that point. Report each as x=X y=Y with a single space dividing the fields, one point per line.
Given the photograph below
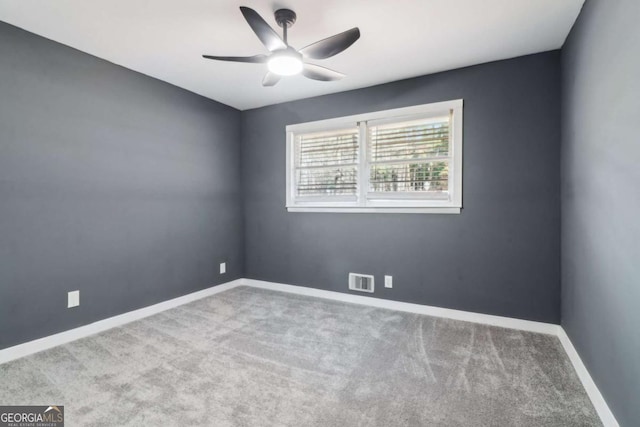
x=250 y=357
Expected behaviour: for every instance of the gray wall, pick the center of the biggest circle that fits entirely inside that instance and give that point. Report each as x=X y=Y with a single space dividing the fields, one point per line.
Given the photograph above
x=601 y=199
x=111 y=182
x=500 y=256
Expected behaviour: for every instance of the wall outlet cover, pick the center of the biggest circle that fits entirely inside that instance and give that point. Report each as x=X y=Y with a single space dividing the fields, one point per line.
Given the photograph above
x=388 y=281
x=223 y=267
x=73 y=299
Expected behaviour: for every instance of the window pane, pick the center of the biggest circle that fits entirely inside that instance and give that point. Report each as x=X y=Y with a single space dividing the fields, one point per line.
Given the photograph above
x=327 y=182
x=327 y=149
x=419 y=139
x=326 y=163
x=430 y=177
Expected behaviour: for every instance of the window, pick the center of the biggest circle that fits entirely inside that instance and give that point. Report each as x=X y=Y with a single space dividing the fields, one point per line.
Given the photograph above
x=402 y=160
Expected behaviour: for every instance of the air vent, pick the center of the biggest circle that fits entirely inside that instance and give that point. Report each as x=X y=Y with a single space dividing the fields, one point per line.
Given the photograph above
x=361 y=282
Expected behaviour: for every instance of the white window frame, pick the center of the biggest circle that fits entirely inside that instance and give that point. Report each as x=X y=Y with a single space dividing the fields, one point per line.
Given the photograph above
x=395 y=203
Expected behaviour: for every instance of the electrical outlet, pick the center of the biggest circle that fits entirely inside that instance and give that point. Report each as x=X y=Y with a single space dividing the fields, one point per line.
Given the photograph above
x=388 y=281
x=223 y=267
x=73 y=299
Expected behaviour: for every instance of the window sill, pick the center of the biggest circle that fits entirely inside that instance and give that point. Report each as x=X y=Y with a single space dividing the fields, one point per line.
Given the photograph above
x=410 y=210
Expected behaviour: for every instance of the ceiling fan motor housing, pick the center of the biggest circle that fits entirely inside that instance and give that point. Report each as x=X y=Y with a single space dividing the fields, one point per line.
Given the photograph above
x=285 y=17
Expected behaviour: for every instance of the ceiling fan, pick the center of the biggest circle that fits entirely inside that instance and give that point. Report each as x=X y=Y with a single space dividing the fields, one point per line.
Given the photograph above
x=285 y=60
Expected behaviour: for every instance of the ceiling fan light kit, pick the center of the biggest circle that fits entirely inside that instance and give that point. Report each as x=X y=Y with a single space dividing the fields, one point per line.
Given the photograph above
x=285 y=60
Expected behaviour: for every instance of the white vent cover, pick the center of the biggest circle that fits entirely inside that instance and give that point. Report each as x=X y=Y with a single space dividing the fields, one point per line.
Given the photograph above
x=361 y=282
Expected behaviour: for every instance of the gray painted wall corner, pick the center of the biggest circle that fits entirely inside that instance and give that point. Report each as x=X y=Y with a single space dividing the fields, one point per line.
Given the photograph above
x=600 y=202
x=112 y=183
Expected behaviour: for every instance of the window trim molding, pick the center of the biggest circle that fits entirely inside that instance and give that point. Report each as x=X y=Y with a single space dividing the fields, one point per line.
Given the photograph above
x=369 y=205
x=373 y=209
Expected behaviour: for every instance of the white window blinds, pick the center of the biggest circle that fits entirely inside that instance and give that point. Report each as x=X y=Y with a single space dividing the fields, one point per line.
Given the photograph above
x=410 y=157
x=327 y=164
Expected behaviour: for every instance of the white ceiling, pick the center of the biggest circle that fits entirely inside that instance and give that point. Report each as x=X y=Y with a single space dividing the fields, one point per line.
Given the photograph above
x=400 y=38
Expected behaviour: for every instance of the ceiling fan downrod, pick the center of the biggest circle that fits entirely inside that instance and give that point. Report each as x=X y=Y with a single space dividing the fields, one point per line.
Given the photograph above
x=285 y=19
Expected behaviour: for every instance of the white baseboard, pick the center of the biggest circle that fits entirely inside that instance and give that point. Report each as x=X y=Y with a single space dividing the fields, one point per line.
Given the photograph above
x=607 y=417
x=467 y=316
x=51 y=341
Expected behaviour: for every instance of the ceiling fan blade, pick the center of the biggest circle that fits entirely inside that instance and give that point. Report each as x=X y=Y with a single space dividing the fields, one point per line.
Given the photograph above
x=317 y=72
x=265 y=33
x=270 y=79
x=256 y=59
x=331 y=45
